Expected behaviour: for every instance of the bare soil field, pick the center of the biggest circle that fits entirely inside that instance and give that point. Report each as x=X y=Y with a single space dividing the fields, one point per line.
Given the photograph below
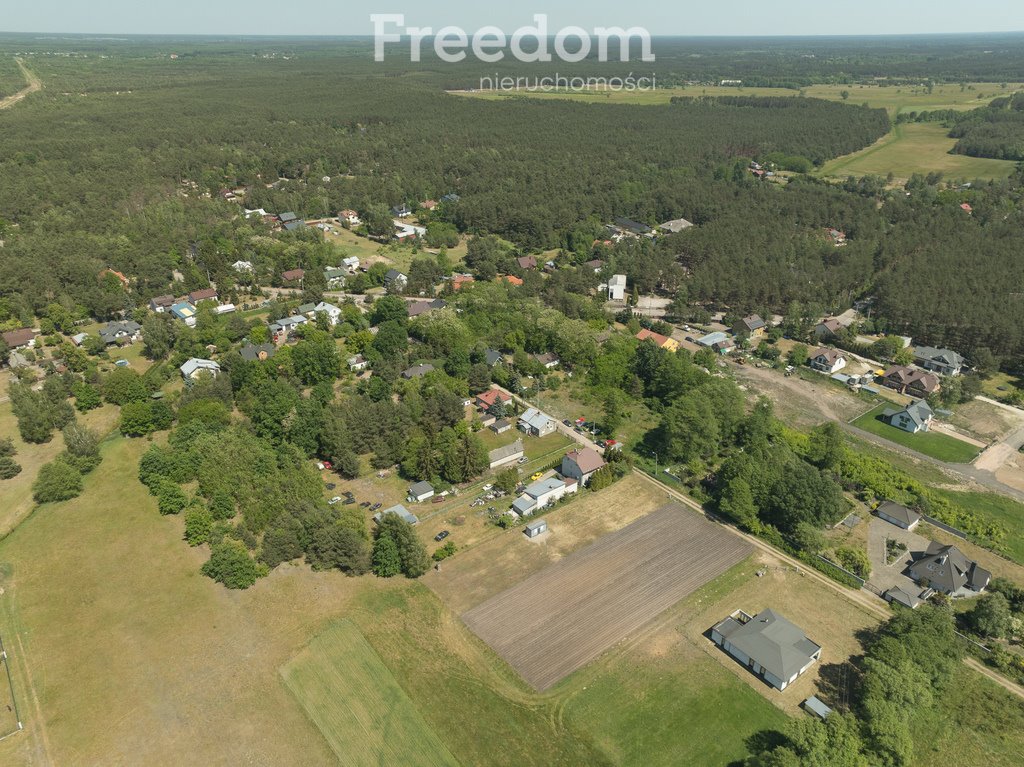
x=798 y=402
x=560 y=619
x=500 y=562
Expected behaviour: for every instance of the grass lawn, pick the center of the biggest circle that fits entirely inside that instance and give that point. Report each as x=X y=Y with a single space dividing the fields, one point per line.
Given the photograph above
x=895 y=99
x=1010 y=383
x=987 y=731
x=1006 y=511
x=916 y=148
x=358 y=706
x=940 y=446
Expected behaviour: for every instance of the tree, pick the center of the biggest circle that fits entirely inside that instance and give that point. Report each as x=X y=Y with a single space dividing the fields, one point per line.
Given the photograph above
x=9 y=468
x=171 y=499
x=82 y=447
x=507 y=480
x=990 y=616
x=57 y=481
x=198 y=524
x=87 y=397
x=798 y=355
x=737 y=503
x=338 y=546
x=231 y=565
x=809 y=538
x=827 y=446
x=386 y=560
x=136 y=419
x=124 y=385
x=316 y=359
x=157 y=336
x=411 y=551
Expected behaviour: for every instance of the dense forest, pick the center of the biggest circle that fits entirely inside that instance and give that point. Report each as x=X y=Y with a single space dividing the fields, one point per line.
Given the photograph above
x=996 y=131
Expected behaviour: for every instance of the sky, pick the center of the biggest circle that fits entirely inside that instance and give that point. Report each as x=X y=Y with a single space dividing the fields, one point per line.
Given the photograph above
x=659 y=17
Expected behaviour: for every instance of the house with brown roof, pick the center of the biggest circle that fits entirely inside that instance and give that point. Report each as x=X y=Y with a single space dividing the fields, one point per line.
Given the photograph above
x=669 y=344
x=827 y=360
x=161 y=304
x=527 y=262
x=489 y=398
x=19 y=339
x=581 y=464
x=293 y=275
x=206 y=294
x=907 y=380
x=828 y=327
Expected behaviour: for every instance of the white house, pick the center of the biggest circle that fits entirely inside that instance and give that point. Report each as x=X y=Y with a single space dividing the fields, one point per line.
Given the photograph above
x=542 y=493
x=536 y=423
x=351 y=263
x=898 y=514
x=333 y=312
x=617 y=287
x=195 y=367
x=358 y=363
x=505 y=455
x=242 y=266
x=827 y=360
x=767 y=644
x=420 y=492
x=349 y=217
x=581 y=464
x=914 y=418
x=224 y=309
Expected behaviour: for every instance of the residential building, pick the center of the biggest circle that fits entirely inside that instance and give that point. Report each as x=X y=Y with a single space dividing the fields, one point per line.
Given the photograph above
x=628 y=226
x=675 y=226
x=401 y=211
x=947 y=570
x=79 y=338
x=206 y=294
x=293 y=275
x=127 y=331
x=287 y=217
x=536 y=423
x=428 y=204
x=527 y=262
x=581 y=464
x=335 y=277
x=595 y=265
x=333 y=312
x=898 y=514
x=417 y=371
x=254 y=352
x=358 y=363
x=669 y=344
x=395 y=280
x=908 y=380
x=617 y=287
x=535 y=528
x=351 y=263
x=242 y=266
x=349 y=217
x=548 y=360
x=492 y=357
x=752 y=327
x=161 y=304
x=450 y=197
x=401 y=511
x=768 y=644
x=543 y=492
x=827 y=360
x=25 y=338
x=420 y=492
x=416 y=308
x=914 y=418
x=506 y=455
x=285 y=327
x=184 y=311
x=195 y=367
x=459 y=281
x=501 y=426
x=486 y=400
x=827 y=328
x=942 y=361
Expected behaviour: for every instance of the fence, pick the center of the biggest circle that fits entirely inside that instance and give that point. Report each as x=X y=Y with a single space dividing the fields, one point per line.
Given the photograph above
x=943 y=526
x=970 y=641
x=842 y=569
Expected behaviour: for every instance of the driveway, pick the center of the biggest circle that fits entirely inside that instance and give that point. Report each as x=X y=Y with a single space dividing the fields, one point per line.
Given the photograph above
x=885 y=576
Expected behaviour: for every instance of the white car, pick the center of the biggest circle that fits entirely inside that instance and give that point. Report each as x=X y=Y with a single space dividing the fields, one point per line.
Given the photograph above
x=334 y=500
x=487 y=487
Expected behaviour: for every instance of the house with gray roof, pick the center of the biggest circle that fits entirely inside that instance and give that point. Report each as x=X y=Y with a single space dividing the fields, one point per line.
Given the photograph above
x=752 y=326
x=395 y=280
x=253 y=352
x=767 y=644
x=195 y=367
x=536 y=423
x=417 y=371
x=507 y=454
x=946 y=569
x=898 y=514
x=942 y=361
x=420 y=492
x=401 y=511
x=127 y=331
x=914 y=418
x=492 y=357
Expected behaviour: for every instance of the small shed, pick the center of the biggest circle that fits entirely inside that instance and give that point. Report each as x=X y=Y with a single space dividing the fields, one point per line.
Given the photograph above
x=533 y=529
x=501 y=426
x=814 y=706
x=421 y=491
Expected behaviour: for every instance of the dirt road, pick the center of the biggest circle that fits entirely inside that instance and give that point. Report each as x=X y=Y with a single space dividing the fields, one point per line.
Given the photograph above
x=34 y=84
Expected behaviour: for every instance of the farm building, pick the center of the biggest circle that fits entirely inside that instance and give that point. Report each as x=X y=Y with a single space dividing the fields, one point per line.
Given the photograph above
x=506 y=454
x=898 y=515
x=420 y=491
x=401 y=511
x=768 y=644
x=533 y=529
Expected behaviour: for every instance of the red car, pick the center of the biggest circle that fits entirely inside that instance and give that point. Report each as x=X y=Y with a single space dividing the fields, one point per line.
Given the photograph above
x=327 y=465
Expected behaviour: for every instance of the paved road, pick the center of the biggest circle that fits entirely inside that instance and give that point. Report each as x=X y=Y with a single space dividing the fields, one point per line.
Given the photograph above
x=34 y=84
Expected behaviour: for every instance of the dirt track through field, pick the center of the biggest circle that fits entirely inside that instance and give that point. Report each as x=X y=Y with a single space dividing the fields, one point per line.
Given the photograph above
x=34 y=84
x=563 y=617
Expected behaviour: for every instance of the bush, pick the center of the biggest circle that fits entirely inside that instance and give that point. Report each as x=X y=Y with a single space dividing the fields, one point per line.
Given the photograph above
x=136 y=419
x=86 y=397
x=231 y=565
x=198 y=523
x=9 y=468
x=57 y=481
x=445 y=551
x=171 y=499
x=854 y=560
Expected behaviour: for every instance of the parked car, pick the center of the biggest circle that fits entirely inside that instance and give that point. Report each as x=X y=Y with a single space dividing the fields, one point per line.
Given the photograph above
x=376 y=506
x=331 y=485
x=441 y=535
x=437 y=499
x=320 y=466
x=522 y=460
x=364 y=505
x=348 y=501
x=566 y=422
x=348 y=494
x=488 y=486
x=334 y=500
x=327 y=465
x=537 y=476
